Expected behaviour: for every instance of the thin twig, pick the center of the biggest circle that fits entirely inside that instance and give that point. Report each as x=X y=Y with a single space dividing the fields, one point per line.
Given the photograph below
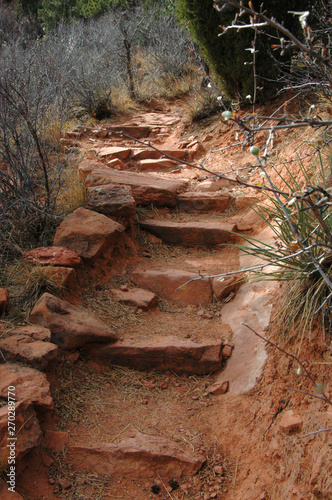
x=315 y=432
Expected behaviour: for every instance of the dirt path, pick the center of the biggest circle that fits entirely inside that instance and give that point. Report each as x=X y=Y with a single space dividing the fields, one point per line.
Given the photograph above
x=104 y=411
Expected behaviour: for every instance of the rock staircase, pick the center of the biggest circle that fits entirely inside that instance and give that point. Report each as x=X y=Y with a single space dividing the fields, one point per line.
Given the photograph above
x=190 y=214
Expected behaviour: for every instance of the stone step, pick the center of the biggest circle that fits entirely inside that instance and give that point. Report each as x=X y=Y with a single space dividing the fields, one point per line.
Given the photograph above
x=135 y=131
x=70 y=326
x=166 y=284
x=194 y=201
x=161 y=165
x=138 y=456
x=138 y=297
x=190 y=234
x=152 y=154
x=146 y=189
x=162 y=354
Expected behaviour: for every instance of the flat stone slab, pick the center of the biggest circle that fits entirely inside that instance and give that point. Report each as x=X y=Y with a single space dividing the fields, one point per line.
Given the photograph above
x=135 y=131
x=52 y=256
x=158 y=165
x=88 y=233
x=166 y=284
x=111 y=152
x=193 y=201
x=190 y=234
x=152 y=154
x=162 y=354
x=139 y=456
x=22 y=348
x=112 y=200
x=146 y=188
x=137 y=297
x=31 y=385
x=70 y=326
x=34 y=331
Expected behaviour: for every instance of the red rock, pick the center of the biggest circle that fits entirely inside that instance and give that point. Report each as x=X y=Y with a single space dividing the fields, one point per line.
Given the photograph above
x=157 y=165
x=70 y=327
x=166 y=284
x=139 y=456
x=136 y=297
x=207 y=186
x=290 y=423
x=100 y=133
x=110 y=152
x=112 y=200
x=5 y=494
x=117 y=164
x=151 y=154
x=56 y=440
x=47 y=460
x=245 y=201
x=87 y=166
x=34 y=331
x=162 y=353
x=53 y=256
x=64 y=484
x=4 y=301
x=146 y=188
x=25 y=349
x=190 y=234
x=224 y=285
x=203 y=202
x=27 y=429
x=135 y=131
x=88 y=233
x=31 y=385
x=218 y=388
x=227 y=351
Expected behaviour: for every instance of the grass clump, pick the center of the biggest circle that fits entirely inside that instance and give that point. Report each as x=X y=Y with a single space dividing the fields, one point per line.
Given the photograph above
x=299 y=215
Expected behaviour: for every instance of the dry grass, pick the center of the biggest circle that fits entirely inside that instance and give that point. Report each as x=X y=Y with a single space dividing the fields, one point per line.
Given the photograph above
x=73 y=193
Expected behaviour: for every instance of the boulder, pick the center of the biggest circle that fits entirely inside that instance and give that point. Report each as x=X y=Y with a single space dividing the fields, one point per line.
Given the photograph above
x=166 y=284
x=190 y=234
x=192 y=201
x=63 y=277
x=25 y=349
x=162 y=354
x=27 y=431
x=143 y=299
x=53 y=256
x=34 y=331
x=4 y=301
x=88 y=233
x=112 y=200
x=31 y=386
x=140 y=456
x=146 y=188
x=70 y=327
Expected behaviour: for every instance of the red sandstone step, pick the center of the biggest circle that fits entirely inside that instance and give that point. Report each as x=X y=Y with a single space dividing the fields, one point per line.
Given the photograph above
x=190 y=234
x=162 y=354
